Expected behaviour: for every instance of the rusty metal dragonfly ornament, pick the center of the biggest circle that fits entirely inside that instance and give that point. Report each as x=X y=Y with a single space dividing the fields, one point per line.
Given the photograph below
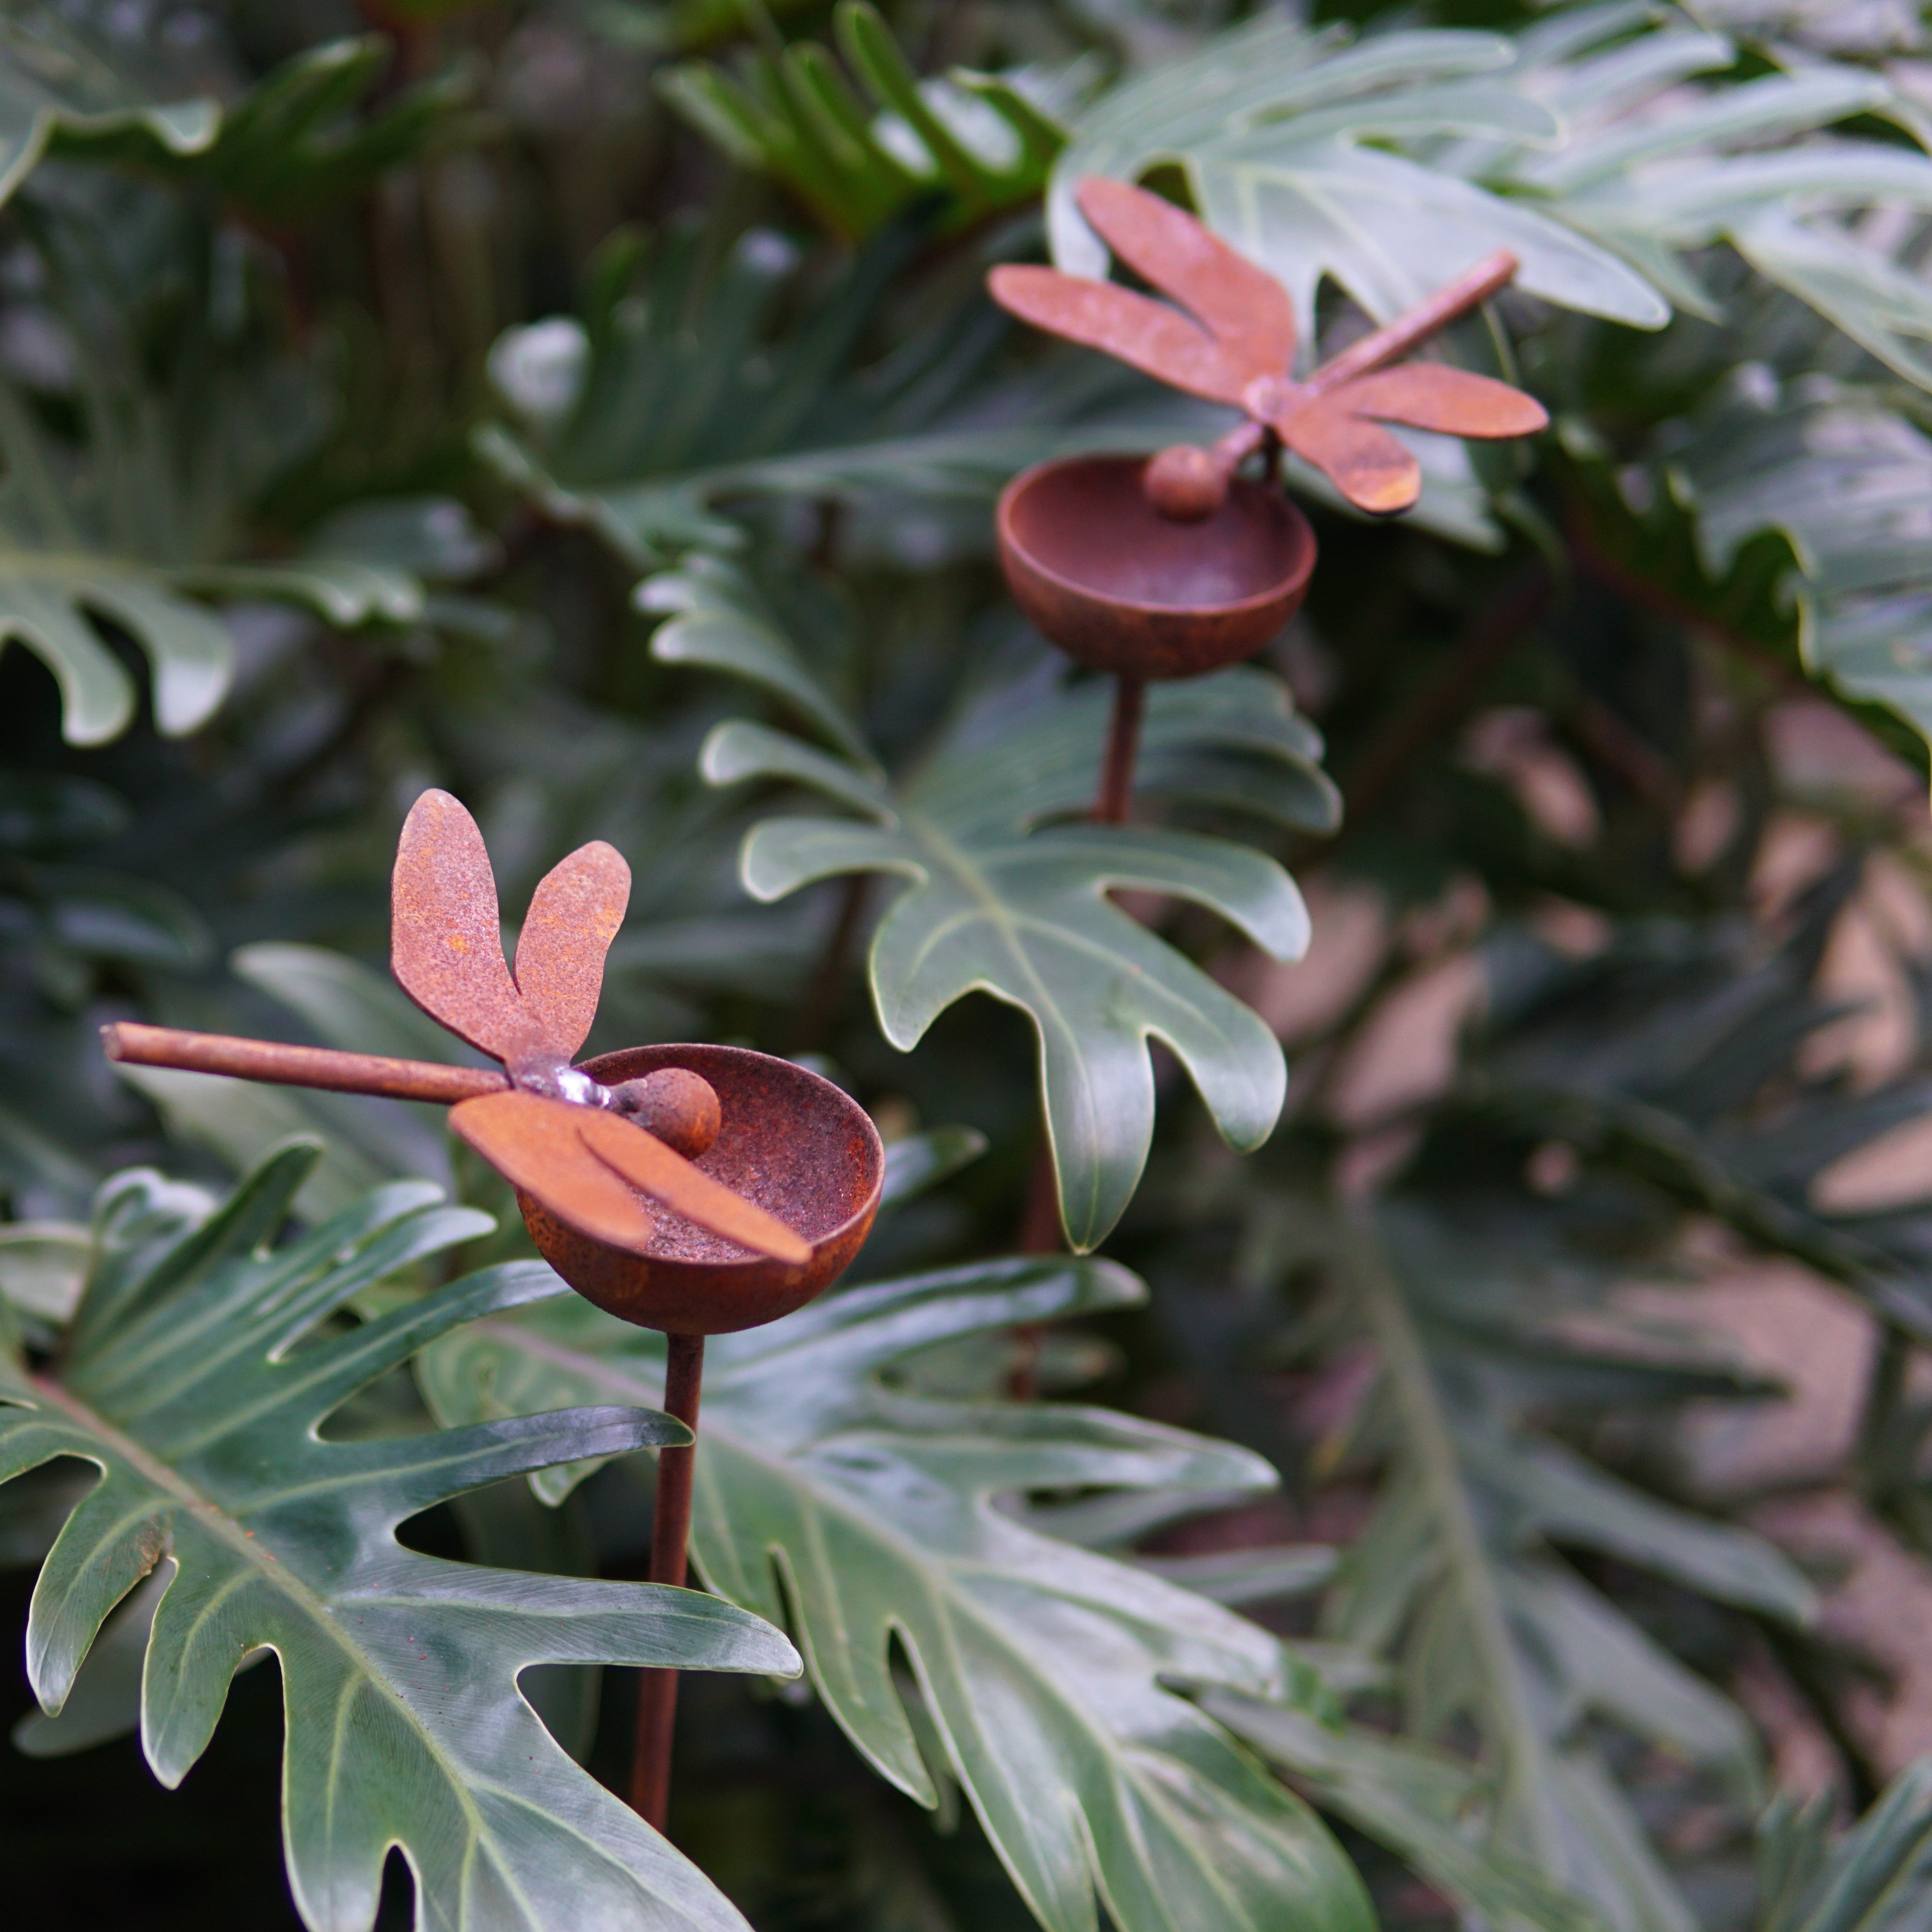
x=588 y=1155
x=694 y=1189
x=1170 y=566
x=1232 y=339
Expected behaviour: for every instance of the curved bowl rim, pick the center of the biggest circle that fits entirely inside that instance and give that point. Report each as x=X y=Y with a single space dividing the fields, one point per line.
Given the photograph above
x=1295 y=580
x=867 y=1208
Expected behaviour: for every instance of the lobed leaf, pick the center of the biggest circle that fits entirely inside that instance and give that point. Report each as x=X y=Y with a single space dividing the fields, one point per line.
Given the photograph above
x=84 y=545
x=1456 y=1580
x=976 y=140
x=289 y=145
x=1420 y=1804
x=829 y=1491
x=182 y=1385
x=1270 y=124
x=1877 y=1875
x=1000 y=900
x=1589 y=144
x=54 y=81
x=683 y=398
x=1842 y=477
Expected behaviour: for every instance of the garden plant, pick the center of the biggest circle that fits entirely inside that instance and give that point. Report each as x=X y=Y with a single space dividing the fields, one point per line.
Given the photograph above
x=1334 y=1237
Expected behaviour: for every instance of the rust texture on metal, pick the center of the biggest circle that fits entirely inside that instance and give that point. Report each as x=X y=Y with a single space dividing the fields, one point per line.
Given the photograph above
x=574 y=914
x=1239 y=324
x=670 y=1538
x=533 y=1142
x=285 y=1065
x=645 y=1188
x=1231 y=340
x=539 y=1145
x=675 y=1105
x=1121 y=587
x=681 y=1187
x=791 y=1142
x=446 y=939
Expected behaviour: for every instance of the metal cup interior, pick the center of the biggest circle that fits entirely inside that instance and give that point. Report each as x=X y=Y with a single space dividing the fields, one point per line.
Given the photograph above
x=790 y=1141
x=1121 y=587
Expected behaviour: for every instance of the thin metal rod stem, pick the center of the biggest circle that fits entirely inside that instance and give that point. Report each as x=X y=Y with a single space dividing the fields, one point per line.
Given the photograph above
x=1040 y=1233
x=1491 y=273
x=1123 y=738
x=671 y=1538
x=284 y=1065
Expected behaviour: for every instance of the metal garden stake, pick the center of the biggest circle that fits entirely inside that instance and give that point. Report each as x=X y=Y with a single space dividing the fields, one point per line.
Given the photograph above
x=696 y=1189
x=1170 y=566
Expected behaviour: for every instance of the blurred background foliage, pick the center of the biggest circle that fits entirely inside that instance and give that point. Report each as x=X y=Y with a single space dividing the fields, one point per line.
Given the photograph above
x=592 y=406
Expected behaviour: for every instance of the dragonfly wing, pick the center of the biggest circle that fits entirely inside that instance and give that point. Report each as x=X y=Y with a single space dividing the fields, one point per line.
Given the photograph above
x=1159 y=341
x=574 y=914
x=648 y=1165
x=1433 y=395
x=534 y=1144
x=445 y=946
x=1369 y=467
x=1247 y=310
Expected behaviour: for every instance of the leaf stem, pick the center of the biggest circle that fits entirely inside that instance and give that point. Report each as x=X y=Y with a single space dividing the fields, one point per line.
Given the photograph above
x=670 y=1537
x=828 y=983
x=1518 y=1742
x=1486 y=643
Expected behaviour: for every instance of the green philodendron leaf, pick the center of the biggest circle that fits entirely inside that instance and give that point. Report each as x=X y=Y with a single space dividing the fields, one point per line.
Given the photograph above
x=133 y=531
x=1589 y=145
x=1292 y=143
x=44 y=1266
x=1029 y=920
x=197 y=1378
x=53 y=81
x=1746 y=163
x=831 y=1493
x=1554 y=1493
x=284 y=149
x=49 y=602
x=1877 y=1877
x=641 y=422
x=1843 y=477
x=1414 y=1802
x=1455 y=1580
x=294 y=141
x=975 y=140
x=1654 y=1059
x=716 y=620
x=1001 y=899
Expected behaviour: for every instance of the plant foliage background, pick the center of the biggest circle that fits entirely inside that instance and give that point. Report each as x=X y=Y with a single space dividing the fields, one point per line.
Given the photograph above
x=1391 y=1388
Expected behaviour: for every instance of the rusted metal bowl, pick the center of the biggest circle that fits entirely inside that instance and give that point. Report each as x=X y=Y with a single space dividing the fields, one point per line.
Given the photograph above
x=1119 y=587
x=790 y=1141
